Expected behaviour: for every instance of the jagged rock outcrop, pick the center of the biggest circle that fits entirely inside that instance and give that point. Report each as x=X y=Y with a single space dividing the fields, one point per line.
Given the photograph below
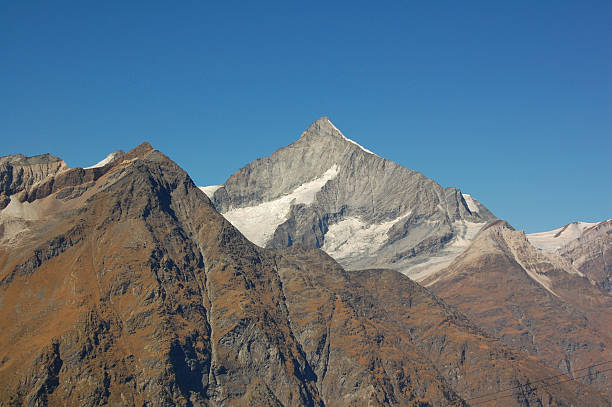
x=327 y=191
x=533 y=300
x=18 y=172
x=137 y=292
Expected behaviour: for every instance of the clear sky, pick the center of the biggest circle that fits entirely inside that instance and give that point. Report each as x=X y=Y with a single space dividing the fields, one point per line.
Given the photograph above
x=509 y=101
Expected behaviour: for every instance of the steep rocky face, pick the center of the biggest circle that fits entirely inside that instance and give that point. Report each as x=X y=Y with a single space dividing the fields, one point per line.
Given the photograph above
x=591 y=253
x=129 y=288
x=18 y=172
x=532 y=300
x=326 y=191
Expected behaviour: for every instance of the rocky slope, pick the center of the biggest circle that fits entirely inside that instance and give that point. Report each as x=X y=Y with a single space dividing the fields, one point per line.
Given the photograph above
x=127 y=287
x=533 y=300
x=587 y=246
x=18 y=172
x=591 y=253
x=327 y=191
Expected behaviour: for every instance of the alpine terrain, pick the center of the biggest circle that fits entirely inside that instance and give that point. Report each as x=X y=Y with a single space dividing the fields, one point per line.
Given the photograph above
x=547 y=294
x=588 y=246
x=120 y=284
x=534 y=301
x=326 y=191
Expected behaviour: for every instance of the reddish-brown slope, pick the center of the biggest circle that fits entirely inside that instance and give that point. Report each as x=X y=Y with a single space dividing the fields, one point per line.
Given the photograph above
x=532 y=301
x=401 y=320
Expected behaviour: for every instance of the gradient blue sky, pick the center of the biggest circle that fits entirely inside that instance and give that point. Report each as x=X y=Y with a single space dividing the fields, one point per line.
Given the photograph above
x=509 y=101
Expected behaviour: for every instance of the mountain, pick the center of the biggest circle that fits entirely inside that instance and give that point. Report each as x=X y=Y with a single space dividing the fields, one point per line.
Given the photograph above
x=125 y=286
x=18 y=172
x=326 y=191
x=554 y=240
x=533 y=300
x=587 y=246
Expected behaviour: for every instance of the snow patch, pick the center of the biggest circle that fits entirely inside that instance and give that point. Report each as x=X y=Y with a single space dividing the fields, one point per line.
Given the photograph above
x=351 y=141
x=554 y=240
x=210 y=190
x=109 y=158
x=351 y=237
x=471 y=203
x=258 y=223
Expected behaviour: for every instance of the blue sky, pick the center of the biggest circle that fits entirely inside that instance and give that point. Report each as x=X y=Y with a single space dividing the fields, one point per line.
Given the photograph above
x=510 y=102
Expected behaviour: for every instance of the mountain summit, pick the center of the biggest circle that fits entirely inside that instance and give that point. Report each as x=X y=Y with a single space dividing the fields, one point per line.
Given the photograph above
x=327 y=191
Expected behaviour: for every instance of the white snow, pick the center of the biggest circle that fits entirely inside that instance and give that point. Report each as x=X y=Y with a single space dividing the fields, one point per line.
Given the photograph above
x=210 y=190
x=258 y=223
x=351 y=141
x=554 y=240
x=109 y=158
x=466 y=232
x=351 y=237
x=471 y=203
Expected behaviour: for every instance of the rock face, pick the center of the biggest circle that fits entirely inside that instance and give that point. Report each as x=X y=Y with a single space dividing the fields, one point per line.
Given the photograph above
x=18 y=172
x=533 y=300
x=591 y=253
x=129 y=288
x=326 y=191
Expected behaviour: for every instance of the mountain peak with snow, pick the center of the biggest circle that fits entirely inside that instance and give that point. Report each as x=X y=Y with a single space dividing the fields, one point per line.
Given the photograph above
x=323 y=127
x=553 y=240
x=325 y=190
x=112 y=157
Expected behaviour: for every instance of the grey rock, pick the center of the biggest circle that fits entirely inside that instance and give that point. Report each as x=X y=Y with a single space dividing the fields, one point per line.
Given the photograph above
x=592 y=254
x=421 y=217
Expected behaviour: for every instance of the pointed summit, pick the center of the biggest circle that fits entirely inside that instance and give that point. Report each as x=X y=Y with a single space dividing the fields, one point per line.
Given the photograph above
x=323 y=127
x=325 y=190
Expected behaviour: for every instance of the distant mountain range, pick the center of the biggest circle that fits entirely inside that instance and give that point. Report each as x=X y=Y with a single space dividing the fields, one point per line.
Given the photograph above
x=122 y=284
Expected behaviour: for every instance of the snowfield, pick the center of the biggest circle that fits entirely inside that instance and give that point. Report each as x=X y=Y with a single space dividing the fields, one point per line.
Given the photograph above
x=554 y=240
x=258 y=223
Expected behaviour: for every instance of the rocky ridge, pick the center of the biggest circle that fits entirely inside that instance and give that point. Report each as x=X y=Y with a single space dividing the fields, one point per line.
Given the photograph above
x=19 y=172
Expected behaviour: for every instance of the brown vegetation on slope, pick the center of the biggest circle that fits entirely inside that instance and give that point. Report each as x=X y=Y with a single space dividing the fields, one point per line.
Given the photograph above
x=126 y=287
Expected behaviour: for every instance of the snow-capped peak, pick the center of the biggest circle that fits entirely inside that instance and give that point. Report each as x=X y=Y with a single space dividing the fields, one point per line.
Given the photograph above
x=348 y=139
x=553 y=240
x=109 y=158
